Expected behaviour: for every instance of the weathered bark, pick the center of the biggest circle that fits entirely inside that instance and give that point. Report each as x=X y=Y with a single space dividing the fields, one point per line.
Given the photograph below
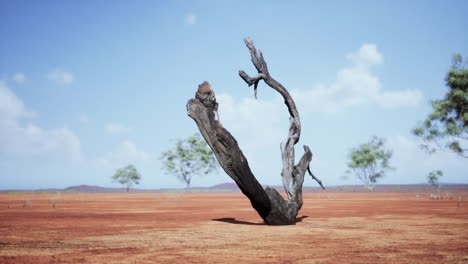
x=267 y=202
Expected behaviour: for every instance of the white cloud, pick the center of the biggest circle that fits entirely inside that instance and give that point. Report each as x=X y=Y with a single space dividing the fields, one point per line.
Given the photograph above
x=413 y=164
x=190 y=19
x=399 y=98
x=129 y=150
x=83 y=118
x=19 y=77
x=248 y=115
x=366 y=55
x=355 y=85
x=60 y=77
x=126 y=152
x=11 y=107
x=115 y=128
x=33 y=140
x=29 y=139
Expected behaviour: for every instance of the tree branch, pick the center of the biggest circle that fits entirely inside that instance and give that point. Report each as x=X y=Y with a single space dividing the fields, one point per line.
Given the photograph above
x=249 y=80
x=291 y=174
x=315 y=178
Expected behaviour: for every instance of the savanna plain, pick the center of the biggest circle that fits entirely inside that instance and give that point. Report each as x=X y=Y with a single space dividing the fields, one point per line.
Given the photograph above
x=332 y=227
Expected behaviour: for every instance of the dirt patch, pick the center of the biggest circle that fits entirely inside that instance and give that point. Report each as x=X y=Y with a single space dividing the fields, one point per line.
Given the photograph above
x=223 y=228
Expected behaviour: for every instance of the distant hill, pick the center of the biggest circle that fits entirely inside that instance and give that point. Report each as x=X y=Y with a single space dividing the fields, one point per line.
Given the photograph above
x=91 y=189
x=226 y=185
x=231 y=187
x=223 y=187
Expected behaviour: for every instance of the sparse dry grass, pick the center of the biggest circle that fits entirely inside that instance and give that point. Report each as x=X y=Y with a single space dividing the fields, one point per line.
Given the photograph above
x=27 y=204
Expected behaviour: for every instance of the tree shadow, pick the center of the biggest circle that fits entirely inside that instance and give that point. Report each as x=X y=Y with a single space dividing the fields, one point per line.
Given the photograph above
x=299 y=219
x=232 y=220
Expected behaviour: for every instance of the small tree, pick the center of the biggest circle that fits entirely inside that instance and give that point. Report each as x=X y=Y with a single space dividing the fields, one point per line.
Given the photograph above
x=447 y=126
x=369 y=162
x=433 y=178
x=190 y=157
x=127 y=176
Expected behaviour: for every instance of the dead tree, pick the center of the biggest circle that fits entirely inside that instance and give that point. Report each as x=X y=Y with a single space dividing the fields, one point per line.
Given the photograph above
x=269 y=204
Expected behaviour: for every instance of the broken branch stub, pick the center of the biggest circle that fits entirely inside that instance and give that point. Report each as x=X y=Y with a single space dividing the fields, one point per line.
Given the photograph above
x=270 y=205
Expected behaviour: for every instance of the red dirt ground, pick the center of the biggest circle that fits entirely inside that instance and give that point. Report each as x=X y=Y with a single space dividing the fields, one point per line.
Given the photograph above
x=223 y=228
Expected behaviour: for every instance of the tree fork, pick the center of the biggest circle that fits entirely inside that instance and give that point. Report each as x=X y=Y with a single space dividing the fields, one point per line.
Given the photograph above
x=269 y=204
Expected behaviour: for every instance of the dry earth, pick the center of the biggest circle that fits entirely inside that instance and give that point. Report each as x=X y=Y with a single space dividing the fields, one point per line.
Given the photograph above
x=223 y=228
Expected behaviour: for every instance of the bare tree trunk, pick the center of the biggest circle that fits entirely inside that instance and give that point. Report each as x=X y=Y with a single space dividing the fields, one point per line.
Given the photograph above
x=270 y=205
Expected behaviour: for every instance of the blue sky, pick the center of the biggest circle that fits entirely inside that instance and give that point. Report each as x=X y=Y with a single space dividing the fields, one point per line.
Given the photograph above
x=87 y=87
